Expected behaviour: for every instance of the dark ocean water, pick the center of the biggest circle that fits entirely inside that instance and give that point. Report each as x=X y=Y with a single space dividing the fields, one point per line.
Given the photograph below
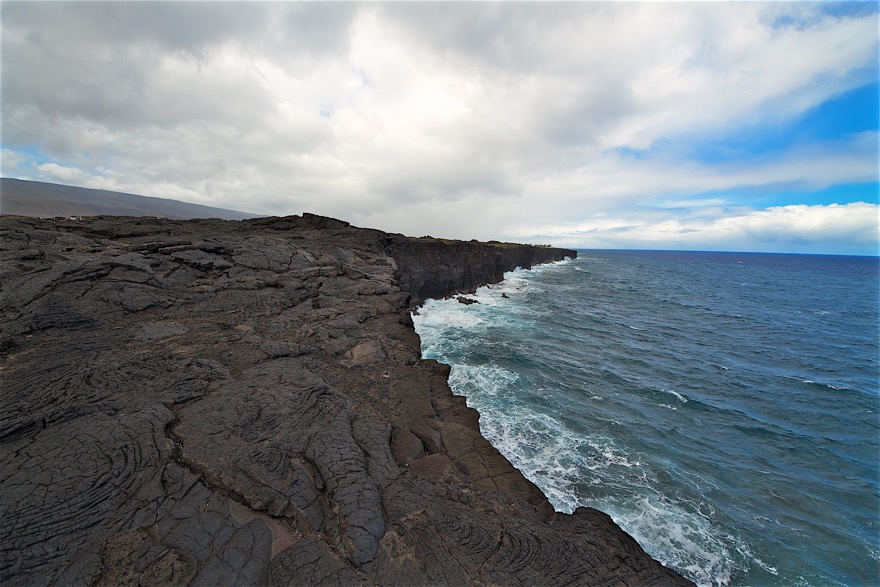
x=721 y=407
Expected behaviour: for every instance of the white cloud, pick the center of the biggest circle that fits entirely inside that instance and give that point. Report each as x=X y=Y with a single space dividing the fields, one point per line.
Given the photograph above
x=611 y=184
x=62 y=174
x=11 y=162
x=849 y=229
x=467 y=120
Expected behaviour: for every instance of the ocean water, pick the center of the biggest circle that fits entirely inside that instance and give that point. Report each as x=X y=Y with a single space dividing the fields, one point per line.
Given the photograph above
x=723 y=408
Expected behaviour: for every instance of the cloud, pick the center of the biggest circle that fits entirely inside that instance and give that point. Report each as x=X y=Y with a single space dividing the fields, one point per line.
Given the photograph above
x=610 y=184
x=845 y=229
x=61 y=174
x=12 y=162
x=462 y=119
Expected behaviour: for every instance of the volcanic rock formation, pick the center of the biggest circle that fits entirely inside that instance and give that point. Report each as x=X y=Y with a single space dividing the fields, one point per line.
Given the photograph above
x=210 y=402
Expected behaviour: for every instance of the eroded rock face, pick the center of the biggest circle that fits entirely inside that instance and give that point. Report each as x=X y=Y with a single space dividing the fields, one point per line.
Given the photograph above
x=209 y=402
x=436 y=268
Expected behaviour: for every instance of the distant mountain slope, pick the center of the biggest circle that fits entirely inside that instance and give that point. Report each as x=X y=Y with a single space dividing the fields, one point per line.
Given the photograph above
x=36 y=198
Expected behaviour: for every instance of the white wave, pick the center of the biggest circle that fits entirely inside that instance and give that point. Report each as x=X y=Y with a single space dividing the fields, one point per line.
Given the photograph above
x=471 y=380
x=683 y=540
x=822 y=384
x=448 y=315
x=556 y=458
x=678 y=396
x=772 y=570
x=443 y=315
x=610 y=455
x=561 y=462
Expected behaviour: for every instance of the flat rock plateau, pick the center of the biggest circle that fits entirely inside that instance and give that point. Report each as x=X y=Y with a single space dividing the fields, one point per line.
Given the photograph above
x=209 y=402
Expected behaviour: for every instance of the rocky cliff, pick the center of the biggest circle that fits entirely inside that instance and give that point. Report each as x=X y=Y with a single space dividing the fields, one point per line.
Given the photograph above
x=210 y=402
x=435 y=268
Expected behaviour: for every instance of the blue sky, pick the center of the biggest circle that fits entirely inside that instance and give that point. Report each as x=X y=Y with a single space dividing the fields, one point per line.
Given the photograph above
x=853 y=112
x=725 y=126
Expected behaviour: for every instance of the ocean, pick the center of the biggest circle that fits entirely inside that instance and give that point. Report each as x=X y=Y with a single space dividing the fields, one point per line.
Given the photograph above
x=721 y=407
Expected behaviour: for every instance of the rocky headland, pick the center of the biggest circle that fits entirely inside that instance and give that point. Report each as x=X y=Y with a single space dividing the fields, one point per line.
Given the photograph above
x=244 y=403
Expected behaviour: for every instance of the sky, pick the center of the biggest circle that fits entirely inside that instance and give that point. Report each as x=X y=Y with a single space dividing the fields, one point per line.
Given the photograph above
x=692 y=125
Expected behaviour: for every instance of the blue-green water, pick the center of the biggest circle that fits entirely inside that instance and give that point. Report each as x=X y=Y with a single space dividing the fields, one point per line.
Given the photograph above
x=721 y=407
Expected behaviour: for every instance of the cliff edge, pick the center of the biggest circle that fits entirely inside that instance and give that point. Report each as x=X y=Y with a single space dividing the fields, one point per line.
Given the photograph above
x=208 y=402
x=437 y=268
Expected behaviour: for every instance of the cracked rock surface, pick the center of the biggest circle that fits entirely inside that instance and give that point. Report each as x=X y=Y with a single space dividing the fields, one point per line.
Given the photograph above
x=244 y=403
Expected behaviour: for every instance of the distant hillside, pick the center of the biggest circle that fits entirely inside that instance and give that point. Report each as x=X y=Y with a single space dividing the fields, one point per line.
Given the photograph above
x=36 y=198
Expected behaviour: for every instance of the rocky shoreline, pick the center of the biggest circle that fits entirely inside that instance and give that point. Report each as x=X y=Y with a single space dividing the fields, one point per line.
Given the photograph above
x=211 y=402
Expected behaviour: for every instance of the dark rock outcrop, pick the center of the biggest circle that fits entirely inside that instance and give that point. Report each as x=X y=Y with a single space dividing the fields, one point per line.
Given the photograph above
x=436 y=268
x=209 y=402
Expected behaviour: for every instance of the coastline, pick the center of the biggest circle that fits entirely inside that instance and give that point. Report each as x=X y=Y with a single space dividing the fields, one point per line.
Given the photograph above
x=248 y=403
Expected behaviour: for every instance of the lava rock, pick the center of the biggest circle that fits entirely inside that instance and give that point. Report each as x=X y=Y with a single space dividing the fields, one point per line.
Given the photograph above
x=213 y=402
